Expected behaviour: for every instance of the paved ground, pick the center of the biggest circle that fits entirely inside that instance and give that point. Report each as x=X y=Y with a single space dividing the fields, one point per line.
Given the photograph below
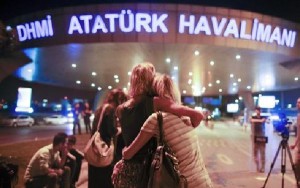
x=82 y=182
x=227 y=152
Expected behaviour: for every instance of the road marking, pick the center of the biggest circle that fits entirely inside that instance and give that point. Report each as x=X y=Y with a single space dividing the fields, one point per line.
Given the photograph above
x=290 y=179
x=260 y=178
x=224 y=159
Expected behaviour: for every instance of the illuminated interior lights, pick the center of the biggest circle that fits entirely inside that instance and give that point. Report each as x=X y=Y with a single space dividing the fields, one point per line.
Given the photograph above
x=168 y=60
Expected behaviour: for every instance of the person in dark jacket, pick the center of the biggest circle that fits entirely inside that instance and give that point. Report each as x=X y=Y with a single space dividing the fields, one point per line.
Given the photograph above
x=74 y=160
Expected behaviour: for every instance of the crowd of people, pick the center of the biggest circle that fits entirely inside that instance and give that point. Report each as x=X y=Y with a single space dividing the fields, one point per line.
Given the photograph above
x=130 y=121
x=126 y=121
x=85 y=113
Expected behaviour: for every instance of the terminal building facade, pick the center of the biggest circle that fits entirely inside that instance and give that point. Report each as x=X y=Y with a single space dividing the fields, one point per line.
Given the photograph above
x=83 y=51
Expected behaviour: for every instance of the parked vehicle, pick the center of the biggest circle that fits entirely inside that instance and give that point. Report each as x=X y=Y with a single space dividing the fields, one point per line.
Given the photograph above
x=56 y=119
x=17 y=120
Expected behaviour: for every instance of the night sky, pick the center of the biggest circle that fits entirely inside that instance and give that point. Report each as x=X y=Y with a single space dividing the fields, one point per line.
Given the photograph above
x=287 y=9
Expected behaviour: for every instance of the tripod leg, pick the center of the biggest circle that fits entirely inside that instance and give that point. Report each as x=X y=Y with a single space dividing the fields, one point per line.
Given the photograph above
x=293 y=167
x=283 y=163
x=272 y=164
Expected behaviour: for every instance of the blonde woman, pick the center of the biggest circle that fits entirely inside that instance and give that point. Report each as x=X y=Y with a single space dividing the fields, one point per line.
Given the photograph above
x=182 y=139
x=132 y=114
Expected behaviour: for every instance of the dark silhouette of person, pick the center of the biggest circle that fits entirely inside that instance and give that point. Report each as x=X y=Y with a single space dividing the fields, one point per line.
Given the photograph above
x=87 y=112
x=76 y=121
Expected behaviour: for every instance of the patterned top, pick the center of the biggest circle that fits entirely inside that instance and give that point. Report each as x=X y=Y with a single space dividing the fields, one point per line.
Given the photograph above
x=183 y=140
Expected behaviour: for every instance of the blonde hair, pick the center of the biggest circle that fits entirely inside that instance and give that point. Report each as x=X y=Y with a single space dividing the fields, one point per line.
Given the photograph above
x=141 y=79
x=163 y=86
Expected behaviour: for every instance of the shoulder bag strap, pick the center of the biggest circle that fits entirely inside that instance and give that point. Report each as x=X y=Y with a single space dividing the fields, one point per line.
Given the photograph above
x=160 y=126
x=161 y=142
x=101 y=116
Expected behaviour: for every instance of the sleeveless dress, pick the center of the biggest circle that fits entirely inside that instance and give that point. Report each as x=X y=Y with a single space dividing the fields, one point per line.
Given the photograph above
x=133 y=173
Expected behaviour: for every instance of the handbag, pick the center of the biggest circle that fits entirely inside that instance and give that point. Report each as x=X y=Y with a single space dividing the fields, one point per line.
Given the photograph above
x=97 y=152
x=164 y=170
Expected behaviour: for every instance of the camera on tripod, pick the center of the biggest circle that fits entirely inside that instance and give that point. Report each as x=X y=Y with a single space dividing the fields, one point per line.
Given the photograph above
x=282 y=125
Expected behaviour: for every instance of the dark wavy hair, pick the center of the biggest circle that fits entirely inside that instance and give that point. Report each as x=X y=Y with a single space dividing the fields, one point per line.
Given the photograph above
x=116 y=96
x=60 y=138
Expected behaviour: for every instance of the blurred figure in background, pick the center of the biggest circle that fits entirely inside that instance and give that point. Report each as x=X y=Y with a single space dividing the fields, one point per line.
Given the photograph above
x=76 y=122
x=208 y=122
x=259 y=145
x=86 y=113
x=246 y=119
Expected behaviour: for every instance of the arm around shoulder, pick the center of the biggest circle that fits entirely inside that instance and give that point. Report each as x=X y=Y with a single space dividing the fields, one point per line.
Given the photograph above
x=141 y=139
x=178 y=110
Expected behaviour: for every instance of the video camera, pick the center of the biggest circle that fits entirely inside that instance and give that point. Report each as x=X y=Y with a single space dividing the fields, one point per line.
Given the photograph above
x=282 y=125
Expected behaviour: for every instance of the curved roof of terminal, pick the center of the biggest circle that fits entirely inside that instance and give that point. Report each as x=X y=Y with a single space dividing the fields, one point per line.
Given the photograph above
x=223 y=69
x=287 y=9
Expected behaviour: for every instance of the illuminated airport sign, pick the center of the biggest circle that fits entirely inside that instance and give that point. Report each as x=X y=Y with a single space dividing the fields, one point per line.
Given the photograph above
x=130 y=21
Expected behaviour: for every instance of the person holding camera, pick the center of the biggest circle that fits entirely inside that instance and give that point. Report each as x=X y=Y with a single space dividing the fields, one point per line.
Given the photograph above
x=258 y=138
x=297 y=142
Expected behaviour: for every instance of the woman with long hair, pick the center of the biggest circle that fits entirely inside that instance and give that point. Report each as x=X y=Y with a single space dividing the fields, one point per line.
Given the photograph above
x=101 y=176
x=182 y=139
x=132 y=114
